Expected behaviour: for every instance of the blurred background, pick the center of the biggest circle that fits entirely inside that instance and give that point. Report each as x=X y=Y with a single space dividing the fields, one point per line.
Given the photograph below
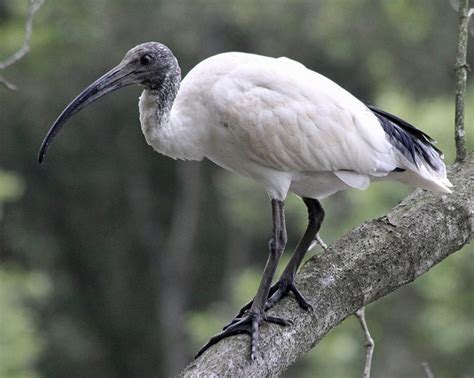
x=116 y=261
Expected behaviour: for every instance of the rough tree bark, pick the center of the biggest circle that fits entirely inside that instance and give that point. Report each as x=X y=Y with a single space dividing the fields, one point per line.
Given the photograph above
x=368 y=263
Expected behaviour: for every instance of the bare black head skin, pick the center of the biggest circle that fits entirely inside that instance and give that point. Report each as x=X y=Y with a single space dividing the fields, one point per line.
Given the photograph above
x=151 y=65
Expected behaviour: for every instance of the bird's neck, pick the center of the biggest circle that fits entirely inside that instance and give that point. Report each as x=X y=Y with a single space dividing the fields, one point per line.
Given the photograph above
x=164 y=125
x=162 y=92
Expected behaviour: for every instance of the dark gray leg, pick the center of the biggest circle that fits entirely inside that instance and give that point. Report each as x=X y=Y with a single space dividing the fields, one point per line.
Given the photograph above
x=250 y=321
x=276 y=247
x=286 y=283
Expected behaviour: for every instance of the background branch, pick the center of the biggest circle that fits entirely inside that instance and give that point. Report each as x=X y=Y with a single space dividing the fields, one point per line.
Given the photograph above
x=368 y=263
x=461 y=69
x=427 y=370
x=33 y=7
x=369 y=342
x=7 y=84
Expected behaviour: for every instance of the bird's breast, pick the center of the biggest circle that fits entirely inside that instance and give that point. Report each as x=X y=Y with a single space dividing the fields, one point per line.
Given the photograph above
x=177 y=133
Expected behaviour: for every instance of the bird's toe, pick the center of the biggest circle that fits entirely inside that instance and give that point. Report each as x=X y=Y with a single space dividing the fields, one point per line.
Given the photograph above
x=250 y=324
x=285 y=287
x=244 y=310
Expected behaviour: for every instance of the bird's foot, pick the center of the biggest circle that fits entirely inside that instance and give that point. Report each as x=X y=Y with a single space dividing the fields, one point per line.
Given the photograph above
x=248 y=323
x=246 y=308
x=281 y=288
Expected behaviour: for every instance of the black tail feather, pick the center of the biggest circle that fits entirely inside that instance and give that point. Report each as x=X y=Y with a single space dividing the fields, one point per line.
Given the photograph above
x=409 y=140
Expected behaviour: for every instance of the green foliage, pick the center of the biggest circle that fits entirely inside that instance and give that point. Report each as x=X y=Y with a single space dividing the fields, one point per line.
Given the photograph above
x=20 y=341
x=11 y=186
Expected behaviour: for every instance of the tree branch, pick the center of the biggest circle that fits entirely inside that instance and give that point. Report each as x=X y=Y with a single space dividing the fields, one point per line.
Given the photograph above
x=427 y=370
x=7 y=84
x=368 y=263
x=34 y=6
x=369 y=342
x=461 y=70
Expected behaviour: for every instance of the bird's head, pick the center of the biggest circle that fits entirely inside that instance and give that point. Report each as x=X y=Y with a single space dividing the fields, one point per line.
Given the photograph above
x=150 y=65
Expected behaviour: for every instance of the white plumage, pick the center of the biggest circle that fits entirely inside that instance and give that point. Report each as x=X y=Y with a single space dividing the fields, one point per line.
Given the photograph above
x=281 y=124
x=278 y=123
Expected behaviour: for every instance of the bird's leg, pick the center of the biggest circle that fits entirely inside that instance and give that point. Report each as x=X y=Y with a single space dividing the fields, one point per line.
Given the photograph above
x=249 y=322
x=286 y=283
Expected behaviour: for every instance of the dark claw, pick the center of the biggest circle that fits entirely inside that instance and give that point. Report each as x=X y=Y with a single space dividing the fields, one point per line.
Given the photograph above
x=244 y=309
x=304 y=304
x=279 y=321
x=239 y=316
x=233 y=321
x=249 y=324
x=254 y=338
x=283 y=289
x=236 y=329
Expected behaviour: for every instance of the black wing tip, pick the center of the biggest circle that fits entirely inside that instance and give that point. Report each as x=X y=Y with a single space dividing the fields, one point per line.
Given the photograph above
x=408 y=139
x=416 y=132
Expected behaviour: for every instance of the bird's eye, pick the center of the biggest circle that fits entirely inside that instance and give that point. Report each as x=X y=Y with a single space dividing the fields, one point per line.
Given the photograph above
x=145 y=59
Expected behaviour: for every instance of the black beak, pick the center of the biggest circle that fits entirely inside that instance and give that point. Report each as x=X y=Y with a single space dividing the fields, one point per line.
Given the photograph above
x=116 y=78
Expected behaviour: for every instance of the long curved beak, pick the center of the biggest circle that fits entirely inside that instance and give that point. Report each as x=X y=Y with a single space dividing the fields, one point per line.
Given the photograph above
x=116 y=78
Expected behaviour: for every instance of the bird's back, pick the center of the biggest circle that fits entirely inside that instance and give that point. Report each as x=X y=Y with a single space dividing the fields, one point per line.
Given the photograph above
x=286 y=118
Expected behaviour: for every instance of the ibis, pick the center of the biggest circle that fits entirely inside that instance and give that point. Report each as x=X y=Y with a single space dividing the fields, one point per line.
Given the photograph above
x=279 y=123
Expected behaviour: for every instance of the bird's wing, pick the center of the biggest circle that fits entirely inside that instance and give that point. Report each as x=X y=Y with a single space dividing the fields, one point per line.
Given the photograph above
x=290 y=118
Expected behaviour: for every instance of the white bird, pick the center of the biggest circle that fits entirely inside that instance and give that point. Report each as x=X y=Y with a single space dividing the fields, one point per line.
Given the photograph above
x=277 y=122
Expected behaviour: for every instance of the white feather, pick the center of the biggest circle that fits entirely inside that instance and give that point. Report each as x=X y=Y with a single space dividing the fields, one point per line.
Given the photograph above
x=280 y=124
